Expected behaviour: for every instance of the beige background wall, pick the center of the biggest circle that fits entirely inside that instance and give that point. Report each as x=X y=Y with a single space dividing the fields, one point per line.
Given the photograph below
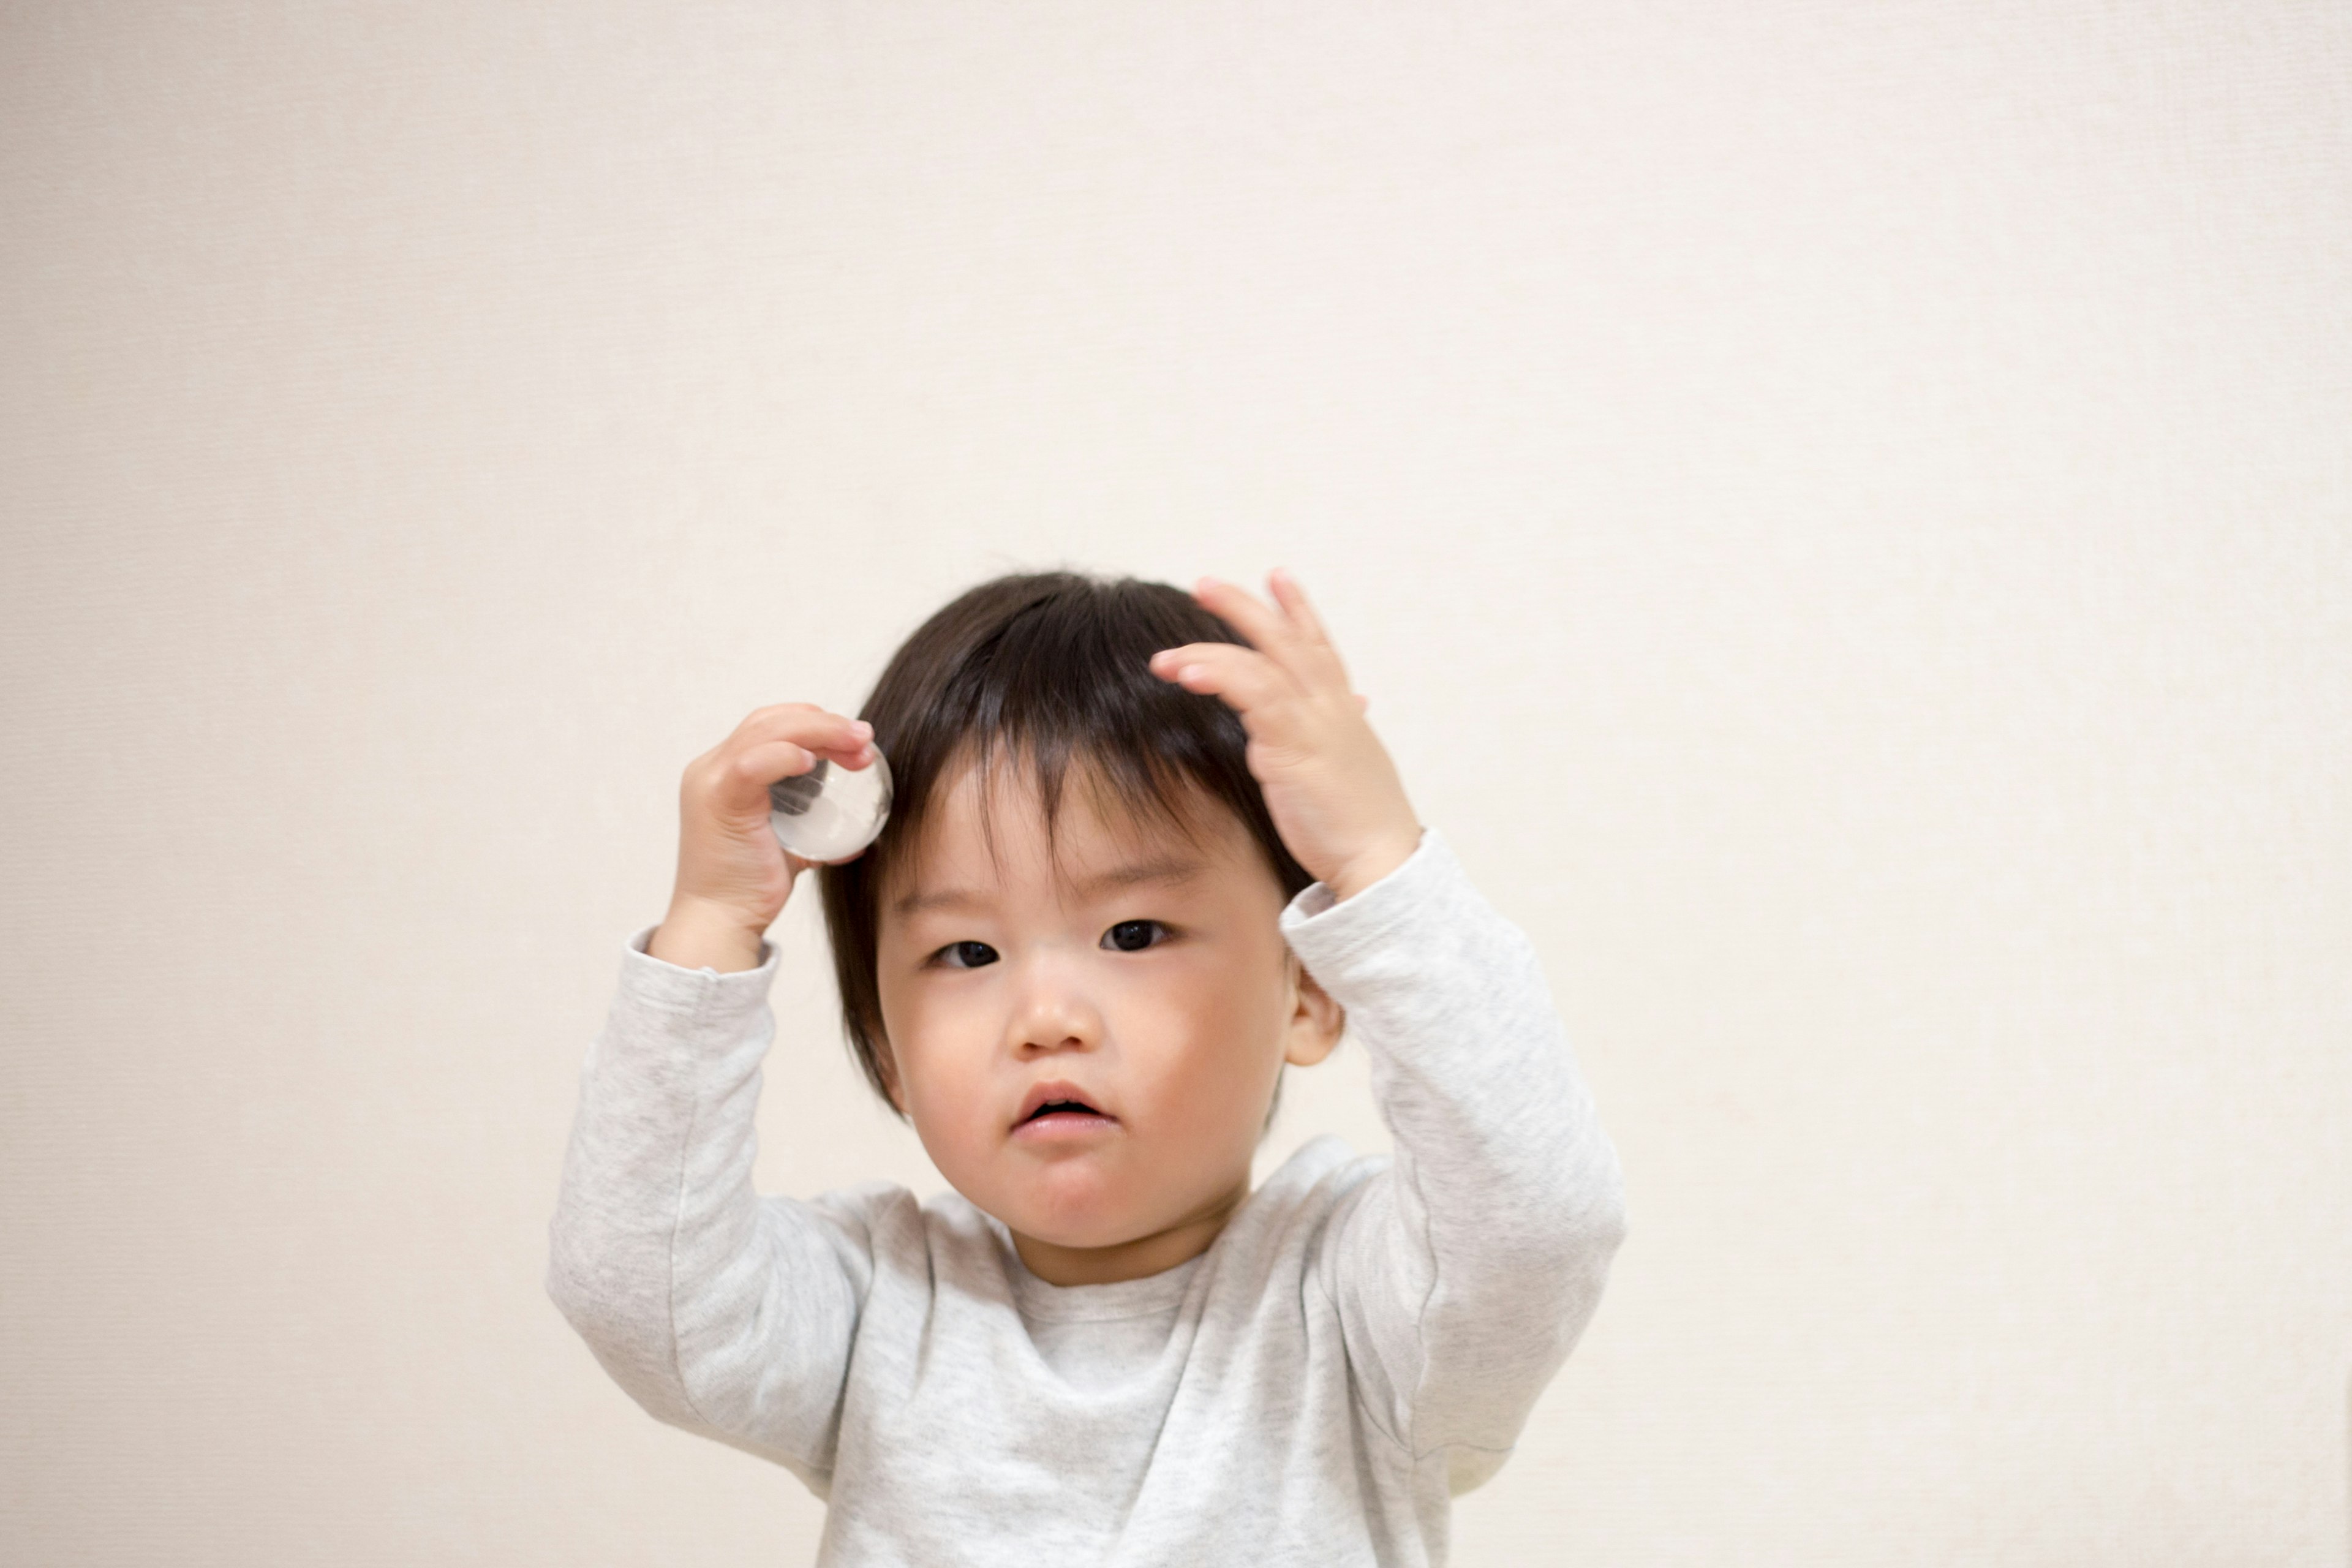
x=1843 y=513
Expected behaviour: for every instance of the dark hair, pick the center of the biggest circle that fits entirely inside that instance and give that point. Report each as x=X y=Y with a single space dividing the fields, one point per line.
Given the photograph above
x=1047 y=669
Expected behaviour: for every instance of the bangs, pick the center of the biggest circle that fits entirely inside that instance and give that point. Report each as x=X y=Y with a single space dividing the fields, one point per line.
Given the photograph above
x=1132 y=800
x=1064 y=688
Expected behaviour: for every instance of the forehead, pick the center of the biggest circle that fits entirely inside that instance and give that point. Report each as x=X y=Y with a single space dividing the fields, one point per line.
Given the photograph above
x=989 y=827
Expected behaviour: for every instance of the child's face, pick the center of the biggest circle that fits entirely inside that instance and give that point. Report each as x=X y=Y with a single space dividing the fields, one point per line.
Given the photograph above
x=1126 y=967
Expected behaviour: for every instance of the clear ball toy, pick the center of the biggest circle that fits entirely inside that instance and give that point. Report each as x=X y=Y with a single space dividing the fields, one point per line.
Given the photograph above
x=831 y=813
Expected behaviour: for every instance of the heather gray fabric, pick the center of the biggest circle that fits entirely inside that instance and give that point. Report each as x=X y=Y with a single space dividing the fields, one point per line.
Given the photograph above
x=1363 y=1339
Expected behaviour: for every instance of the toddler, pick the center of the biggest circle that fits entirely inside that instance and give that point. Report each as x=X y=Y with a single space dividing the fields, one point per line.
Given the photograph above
x=1145 y=850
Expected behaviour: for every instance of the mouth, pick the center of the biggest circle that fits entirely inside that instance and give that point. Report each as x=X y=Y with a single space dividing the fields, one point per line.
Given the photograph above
x=1060 y=1109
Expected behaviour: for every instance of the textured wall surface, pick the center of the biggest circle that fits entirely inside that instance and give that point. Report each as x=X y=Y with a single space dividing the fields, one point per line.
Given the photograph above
x=1844 y=513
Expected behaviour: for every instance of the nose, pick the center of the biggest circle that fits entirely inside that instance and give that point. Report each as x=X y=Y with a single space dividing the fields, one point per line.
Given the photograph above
x=1052 y=1009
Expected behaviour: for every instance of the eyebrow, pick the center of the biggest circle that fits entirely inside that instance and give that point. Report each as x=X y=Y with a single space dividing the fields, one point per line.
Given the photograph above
x=1157 y=868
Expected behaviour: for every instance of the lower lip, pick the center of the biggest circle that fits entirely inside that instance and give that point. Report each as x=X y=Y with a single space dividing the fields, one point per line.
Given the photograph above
x=1062 y=1126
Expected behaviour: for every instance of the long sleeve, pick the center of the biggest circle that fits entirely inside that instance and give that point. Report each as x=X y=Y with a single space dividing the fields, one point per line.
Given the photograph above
x=1466 y=1272
x=717 y=1310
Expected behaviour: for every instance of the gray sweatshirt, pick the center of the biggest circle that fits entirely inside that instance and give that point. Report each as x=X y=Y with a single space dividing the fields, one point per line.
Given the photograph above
x=1362 y=1342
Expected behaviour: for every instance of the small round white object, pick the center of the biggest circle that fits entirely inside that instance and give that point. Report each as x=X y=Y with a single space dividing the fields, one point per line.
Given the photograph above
x=830 y=813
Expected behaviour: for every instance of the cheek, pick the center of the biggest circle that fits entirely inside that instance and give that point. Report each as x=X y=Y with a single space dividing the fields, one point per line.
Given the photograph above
x=920 y=1035
x=911 y=1030
x=943 y=1045
x=947 y=1095
x=1216 y=1029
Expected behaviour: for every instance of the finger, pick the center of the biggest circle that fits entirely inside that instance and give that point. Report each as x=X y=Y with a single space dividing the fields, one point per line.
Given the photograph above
x=804 y=724
x=744 y=777
x=733 y=781
x=1293 y=600
x=799 y=756
x=1297 y=645
x=1362 y=702
x=741 y=775
x=807 y=733
x=1314 y=651
x=1261 y=625
x=1169 y=663
x=1250 y=683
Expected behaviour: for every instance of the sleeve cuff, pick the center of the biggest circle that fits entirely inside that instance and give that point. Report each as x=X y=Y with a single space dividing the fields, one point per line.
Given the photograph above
x=702 y=993
x=1325 y=932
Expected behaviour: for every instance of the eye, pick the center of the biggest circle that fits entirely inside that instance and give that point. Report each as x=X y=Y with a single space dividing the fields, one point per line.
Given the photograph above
x=1134 y=936
x=964 y=955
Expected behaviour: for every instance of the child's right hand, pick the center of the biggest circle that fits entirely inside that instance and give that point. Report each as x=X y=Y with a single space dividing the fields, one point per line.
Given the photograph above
x=732 y=876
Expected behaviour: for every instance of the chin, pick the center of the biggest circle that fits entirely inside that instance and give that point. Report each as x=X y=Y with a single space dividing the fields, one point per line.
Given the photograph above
x=1070 y=1209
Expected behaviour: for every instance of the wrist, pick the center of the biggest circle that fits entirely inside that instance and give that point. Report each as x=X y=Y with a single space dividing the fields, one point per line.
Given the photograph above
x=1372 y=864
x=695 y=934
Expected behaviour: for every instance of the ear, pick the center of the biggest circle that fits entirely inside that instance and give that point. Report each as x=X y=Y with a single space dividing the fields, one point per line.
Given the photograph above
x=1316 y=1021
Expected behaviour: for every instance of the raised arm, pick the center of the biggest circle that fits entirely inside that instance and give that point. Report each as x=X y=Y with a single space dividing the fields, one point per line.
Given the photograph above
x=1466 y=1272
x=717 y=1310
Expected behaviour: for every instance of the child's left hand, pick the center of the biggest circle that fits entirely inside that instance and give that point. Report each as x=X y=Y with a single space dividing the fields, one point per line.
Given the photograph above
x=1329 y=785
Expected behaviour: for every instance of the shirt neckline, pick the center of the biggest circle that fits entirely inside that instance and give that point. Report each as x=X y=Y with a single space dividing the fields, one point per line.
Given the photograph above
x=1155 y=1294
x=1151 y=1296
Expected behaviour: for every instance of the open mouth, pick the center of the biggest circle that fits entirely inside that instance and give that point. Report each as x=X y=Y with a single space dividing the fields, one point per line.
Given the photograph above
x=1060 y=1108
x=1052 y=1108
